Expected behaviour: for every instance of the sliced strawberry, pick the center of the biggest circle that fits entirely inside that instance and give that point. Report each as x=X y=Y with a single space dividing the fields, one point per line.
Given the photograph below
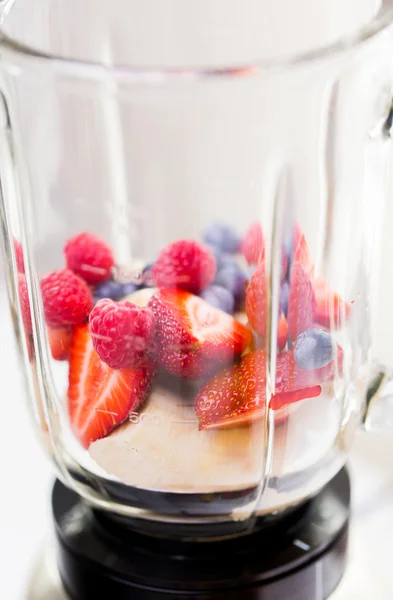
x=257 y=298
x=253 y=243
x=302 y=255
x=193 y=337
x=237 y=395
x=234 y=396
x=99 y=398
x=330 y=309
x=59 y=342
x=294 y=384
x=282 y=336
x=301 y=302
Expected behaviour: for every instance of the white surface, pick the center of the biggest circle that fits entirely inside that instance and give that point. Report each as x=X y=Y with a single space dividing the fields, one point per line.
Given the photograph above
x=27 y=477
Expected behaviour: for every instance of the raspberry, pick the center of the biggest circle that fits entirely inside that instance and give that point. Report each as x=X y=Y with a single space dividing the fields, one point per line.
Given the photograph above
x=20 y=263
x=121 y=332
x=185 y=264
x=253 y=244
x=67 y=299
x=24 y=303
x=89 y=257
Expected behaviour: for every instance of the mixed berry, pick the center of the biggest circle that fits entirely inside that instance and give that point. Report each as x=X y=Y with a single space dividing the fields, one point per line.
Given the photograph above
x=199 y=313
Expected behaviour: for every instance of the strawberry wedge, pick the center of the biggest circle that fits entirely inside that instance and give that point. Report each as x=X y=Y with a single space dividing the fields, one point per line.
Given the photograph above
x=194 y=338
x=330 y=308
x=100 y=398
x=237 y=395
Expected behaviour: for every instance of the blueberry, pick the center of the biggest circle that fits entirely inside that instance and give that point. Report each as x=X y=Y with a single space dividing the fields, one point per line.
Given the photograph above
x=221 y=257
x=220 y=298
x=222 y=236
x=109 y=289
x=233 y=278
x=114 y=290
x=284 y=295
x=147 y=276
x=313 y=349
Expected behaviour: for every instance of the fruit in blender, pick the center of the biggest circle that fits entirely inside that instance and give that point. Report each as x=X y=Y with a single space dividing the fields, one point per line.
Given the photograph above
x=313 y=349
x=252 y=244
x=222 y=236
x=24 y=303
x=237 y=395
x=121 y=332
x=256 y=298
x=66 y=297
x=185 y=264
x=89 y=257
x=100 y=398
x=59 y=342
x=193 y=337
x=329 y=308
x=219 y=297
x=301 y=303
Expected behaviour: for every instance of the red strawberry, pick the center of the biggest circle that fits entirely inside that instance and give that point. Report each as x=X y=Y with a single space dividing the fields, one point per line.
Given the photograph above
x=59 y=342
x=24 y=303
x=193 y=337
x=234 y=396
x=303 y=257
x=237 y=395
x=301 y=302
x=282 y=336
x=330 y=308
x=20 y=263
x=252 y=245
x=294 y=384
x=257 y=298
x=99 y=398
x=185 y=264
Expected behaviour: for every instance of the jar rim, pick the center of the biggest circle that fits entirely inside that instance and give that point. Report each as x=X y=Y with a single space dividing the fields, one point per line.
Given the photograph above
x=157 y=74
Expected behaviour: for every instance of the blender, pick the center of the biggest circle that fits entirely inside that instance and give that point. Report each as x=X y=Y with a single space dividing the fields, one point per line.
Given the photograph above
x=191 y=232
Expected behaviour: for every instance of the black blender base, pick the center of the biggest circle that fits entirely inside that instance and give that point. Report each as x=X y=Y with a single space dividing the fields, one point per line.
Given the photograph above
x=304 y=560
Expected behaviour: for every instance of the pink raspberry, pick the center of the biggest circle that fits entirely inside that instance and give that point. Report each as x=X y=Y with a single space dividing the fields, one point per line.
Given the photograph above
x=185 y=264
x=24 y=303
x=89 y=257
x=67 y=299
x=20 y=263
x=253 y=244
x=121 y=332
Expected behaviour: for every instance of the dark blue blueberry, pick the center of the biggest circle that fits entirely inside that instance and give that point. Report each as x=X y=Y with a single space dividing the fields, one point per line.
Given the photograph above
x=147 y=276
x=130 y=288
x=313 y=349
x=222 y=258
x=233 y=278
x=109 y=289
x=284 y=295
x=220 y=298
x=113 y=290
x=222 y=236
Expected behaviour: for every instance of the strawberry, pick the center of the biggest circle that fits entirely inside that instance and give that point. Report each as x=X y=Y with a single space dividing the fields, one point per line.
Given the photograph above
x=59 y=342
x=257 y=298
x=302 y=254
x=253 y=244
x=194 y=338
x=282 y=334
x=237 y=395
x=99 y=398
x=301 y=302
x=329 y=306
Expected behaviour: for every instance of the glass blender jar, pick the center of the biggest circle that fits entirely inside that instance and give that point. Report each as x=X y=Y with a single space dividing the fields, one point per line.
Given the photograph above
x=191 y=257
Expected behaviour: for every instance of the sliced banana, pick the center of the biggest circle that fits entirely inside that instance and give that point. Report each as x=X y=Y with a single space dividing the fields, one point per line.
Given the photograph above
x=141 y=297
